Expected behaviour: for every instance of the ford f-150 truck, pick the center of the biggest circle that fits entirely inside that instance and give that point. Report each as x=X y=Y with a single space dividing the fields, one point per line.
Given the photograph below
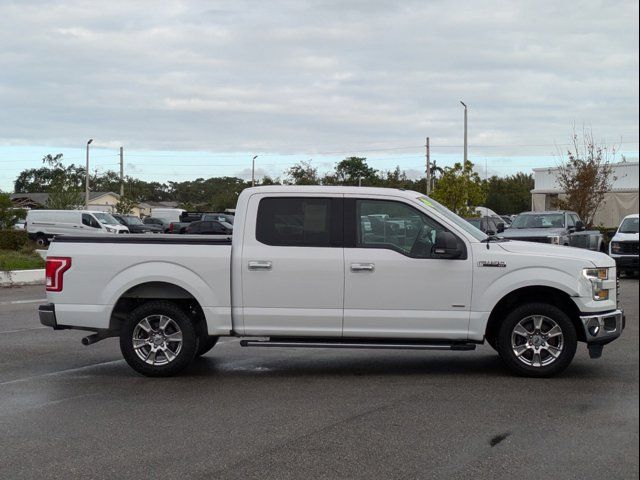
x=334 y=267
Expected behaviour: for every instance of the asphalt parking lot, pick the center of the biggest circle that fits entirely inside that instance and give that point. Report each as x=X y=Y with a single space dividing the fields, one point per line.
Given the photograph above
x=69 y=411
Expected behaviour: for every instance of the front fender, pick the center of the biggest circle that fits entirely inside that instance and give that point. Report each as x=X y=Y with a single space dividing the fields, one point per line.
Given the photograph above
x=551 y=277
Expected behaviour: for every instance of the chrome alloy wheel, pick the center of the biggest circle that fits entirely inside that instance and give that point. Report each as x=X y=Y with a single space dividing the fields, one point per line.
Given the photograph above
x=537 y=341
x=157 y=340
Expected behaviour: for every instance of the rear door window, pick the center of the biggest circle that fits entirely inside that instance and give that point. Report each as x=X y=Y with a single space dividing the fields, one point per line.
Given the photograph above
x=298 y=222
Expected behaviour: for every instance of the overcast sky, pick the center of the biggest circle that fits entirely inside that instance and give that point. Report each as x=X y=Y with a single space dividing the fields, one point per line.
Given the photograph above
x=293 y=80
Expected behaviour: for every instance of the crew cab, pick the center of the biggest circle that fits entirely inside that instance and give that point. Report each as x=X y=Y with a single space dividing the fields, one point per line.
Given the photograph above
x=334 y=267
x=556 y=227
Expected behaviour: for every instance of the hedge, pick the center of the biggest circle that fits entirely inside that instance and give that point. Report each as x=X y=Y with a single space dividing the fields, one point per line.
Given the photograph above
x=13 y=239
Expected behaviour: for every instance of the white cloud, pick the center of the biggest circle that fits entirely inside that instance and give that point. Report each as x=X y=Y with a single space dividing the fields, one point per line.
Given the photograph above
x=311 y=76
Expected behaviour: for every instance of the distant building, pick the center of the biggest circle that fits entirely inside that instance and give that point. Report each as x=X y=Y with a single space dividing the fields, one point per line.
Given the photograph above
x=621 y=201
x=103 y=201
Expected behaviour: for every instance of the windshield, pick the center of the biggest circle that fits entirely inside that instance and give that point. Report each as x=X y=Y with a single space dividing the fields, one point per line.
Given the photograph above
x=106 y=219
x=543 y=220
x=453 y=218
x=630 y=225
x=133 y=221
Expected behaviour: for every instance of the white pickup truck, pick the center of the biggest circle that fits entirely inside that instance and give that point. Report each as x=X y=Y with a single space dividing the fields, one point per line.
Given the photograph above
x=334 y=267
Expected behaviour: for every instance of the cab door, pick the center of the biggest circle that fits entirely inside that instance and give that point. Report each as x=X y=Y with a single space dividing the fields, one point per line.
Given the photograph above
x=395 y=283
x=292 y=266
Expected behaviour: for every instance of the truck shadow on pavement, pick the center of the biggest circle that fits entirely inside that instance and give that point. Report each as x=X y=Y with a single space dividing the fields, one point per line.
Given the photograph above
x=356 y=366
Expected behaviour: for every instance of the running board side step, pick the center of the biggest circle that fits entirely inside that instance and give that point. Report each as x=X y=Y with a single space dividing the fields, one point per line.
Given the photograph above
x=369 y=344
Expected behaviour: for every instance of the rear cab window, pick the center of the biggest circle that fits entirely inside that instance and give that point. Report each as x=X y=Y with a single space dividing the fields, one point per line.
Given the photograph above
x=300 y=222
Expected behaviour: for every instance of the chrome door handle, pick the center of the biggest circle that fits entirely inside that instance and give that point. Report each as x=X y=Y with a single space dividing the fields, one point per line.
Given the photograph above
x=363 y=267
x=260 y=265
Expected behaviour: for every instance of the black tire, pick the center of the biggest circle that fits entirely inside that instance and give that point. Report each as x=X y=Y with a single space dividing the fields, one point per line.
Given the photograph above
x=41 y=240
x=519 y=365
x=206 y=344
x=185 y=354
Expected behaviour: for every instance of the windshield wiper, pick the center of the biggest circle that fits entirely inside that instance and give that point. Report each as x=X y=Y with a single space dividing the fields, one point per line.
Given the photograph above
x=491 y=238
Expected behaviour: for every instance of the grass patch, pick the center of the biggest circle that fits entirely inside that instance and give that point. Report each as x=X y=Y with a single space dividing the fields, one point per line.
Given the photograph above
x=12 y=260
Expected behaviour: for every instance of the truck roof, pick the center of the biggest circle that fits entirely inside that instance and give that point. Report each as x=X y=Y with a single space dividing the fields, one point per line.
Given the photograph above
x=334 y=189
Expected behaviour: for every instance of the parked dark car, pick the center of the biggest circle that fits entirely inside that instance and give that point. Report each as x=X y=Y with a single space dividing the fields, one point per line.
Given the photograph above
x=558 y=227
x=158 y=222
x=487 y=224
x=220 y=217
x=188 y=217
x=209 y=227
x=134 y=224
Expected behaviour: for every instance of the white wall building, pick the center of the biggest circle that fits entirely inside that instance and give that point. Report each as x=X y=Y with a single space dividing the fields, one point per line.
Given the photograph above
x=621 y=201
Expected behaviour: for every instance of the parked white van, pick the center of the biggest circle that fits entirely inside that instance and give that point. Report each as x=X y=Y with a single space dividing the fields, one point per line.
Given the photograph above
x=169 y=214
x=42 y=225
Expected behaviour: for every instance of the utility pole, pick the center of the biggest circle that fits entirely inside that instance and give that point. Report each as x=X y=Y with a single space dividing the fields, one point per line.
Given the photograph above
x=465 y=131
x=122 y=171
x=86 y=179
x=428 y=172
x=253 y=171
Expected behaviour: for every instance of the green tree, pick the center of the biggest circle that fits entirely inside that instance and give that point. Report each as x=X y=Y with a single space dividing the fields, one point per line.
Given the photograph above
x=460 y=188
x=303 y=173
x=63 y=198
x=8 y=214
x=353 y=170
x=125 y=205
x=585 y=176
x=512 y=194
x=50 y=176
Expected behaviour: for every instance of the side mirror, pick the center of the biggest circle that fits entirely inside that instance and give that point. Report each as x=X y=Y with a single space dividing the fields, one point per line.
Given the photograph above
x=490 y=232
x=579 y=226
x=447 y=246
x=500 y=227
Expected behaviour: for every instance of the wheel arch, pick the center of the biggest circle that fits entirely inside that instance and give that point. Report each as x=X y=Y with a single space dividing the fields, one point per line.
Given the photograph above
x=534 y=294
x=157 y=290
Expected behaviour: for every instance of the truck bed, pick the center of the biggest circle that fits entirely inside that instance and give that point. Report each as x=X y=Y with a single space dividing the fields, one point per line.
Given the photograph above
x=105 y=268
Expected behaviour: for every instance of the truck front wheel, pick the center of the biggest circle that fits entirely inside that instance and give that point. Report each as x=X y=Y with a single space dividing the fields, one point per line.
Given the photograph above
x=158 y=339
x=537 y=340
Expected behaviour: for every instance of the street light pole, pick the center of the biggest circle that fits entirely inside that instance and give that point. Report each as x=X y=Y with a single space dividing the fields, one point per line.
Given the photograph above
x=253 y=171
x=86 y=178
x=465 y=132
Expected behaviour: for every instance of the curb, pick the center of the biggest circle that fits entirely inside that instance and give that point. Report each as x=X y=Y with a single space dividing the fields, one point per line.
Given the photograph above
x=22 y=277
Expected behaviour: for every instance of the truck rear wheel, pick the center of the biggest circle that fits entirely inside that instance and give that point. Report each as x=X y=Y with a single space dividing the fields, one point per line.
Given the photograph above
x=537 y=340
x=158 y=339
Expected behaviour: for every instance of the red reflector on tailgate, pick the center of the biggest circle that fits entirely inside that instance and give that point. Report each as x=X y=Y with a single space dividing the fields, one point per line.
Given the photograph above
x=54 y=270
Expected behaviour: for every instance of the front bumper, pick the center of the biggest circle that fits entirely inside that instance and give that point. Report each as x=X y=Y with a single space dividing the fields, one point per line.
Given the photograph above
x=602 y=328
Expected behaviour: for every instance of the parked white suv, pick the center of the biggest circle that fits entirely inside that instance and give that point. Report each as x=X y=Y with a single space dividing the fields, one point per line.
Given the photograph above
x=624 y=244
x=335 y=267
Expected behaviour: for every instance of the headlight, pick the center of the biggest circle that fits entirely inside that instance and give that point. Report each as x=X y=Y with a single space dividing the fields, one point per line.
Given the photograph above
x=596 y=273
x=111 y=230
x=616 y=247
x=554 y=239
x=596 y=276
